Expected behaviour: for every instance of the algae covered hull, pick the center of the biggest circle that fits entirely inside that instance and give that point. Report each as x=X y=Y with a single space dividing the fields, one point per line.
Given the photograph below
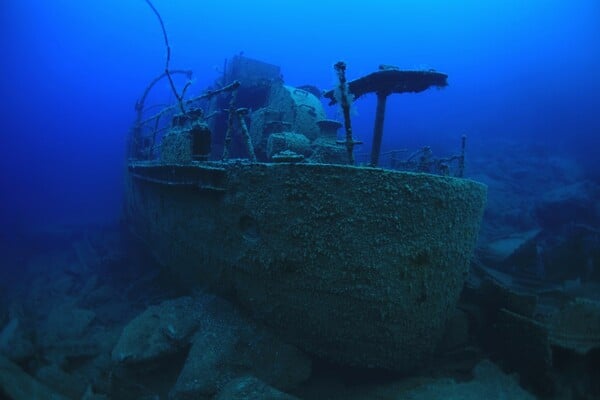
x=358 y=265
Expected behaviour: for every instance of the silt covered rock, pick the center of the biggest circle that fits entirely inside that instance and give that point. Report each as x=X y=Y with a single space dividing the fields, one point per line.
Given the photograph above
x=159 y=331
x=227 y=346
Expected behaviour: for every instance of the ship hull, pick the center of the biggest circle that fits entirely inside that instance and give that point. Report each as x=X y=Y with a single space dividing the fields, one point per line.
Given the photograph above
x=360 y=266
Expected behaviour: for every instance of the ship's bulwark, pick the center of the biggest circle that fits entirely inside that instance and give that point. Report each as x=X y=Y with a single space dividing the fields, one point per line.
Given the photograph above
x=358 y=265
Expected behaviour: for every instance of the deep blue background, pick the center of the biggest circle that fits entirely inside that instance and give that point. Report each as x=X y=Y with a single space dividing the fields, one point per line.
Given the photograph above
x=523 y=71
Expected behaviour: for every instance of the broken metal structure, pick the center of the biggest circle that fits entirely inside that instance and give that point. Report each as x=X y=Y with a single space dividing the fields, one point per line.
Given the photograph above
x=384 y=82
x=251 y=113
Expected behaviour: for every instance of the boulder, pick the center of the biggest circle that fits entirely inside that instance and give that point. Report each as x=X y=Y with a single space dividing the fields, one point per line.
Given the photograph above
x=576 y=326
x=250 y=388
x=228 y=346
x=160 y=331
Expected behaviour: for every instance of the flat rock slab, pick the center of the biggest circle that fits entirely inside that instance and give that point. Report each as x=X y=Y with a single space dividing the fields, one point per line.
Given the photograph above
x=228 y=346
x=159 y=331
x=251 y=388
x=66 y=322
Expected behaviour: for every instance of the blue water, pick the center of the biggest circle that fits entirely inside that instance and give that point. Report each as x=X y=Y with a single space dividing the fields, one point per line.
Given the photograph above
x=72 y=70
x=524 y=87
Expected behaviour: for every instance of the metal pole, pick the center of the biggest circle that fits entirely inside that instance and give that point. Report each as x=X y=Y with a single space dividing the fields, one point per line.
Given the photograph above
x=378 y=129
x=340 y=69
x=241 y=112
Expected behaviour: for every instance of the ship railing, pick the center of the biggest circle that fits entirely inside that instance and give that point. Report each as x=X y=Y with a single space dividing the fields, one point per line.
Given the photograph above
x=147 y=132
x=421 y=160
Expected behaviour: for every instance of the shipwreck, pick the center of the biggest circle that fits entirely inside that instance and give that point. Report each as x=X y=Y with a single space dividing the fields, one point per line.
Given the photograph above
x=249 y=190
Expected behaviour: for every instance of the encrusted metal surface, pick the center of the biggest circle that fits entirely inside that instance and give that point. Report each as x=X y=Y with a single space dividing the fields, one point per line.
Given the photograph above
x=359 y=265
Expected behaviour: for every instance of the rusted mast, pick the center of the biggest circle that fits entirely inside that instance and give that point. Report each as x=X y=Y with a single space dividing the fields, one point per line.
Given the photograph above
x=378 y=129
